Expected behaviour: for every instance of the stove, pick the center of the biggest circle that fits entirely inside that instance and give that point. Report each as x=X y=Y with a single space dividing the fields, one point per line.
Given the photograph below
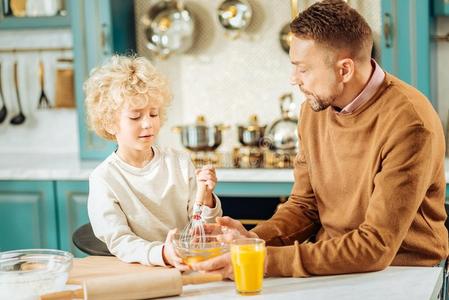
x=245 y=158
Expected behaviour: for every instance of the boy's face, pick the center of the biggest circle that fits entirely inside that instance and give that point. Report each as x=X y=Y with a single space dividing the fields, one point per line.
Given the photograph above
x=137 y=127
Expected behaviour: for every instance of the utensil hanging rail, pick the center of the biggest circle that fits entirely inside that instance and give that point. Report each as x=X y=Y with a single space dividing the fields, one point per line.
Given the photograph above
x=441 y=38
x=15 y=50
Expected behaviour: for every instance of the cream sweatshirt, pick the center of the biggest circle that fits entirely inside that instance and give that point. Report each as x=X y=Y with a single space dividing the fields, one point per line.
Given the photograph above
x=132 y=209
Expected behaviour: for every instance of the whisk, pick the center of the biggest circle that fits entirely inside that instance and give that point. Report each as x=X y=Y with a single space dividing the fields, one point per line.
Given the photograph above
x=193 y=234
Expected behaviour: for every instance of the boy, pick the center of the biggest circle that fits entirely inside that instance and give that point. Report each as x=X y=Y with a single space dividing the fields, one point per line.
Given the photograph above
x=140 y=191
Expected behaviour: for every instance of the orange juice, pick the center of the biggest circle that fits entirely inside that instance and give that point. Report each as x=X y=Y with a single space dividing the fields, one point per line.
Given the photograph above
x=248 y=262
x=198 y=255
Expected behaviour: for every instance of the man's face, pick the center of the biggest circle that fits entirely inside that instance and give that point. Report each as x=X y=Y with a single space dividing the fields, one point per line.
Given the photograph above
x=315 y=73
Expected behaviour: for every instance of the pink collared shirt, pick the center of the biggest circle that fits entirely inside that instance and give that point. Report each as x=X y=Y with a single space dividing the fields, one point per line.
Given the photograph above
x=370 y=89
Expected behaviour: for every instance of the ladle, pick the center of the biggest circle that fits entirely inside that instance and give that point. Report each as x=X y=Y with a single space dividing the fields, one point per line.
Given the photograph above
x=3 y=110
x=20 y=117
x=285 y=36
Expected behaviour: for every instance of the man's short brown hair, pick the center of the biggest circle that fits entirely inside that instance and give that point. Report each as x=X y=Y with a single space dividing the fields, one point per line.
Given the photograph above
x=334 y=24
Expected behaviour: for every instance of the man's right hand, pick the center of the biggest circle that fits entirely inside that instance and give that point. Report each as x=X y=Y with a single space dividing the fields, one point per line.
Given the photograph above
x=227 y=229
x=233 y=229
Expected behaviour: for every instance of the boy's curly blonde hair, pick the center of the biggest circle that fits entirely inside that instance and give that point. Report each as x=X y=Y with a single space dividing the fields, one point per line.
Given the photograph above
x=121 y=80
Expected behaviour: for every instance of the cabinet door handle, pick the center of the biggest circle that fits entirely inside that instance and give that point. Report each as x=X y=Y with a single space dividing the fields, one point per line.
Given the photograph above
x=388 y=30
x=104 y=37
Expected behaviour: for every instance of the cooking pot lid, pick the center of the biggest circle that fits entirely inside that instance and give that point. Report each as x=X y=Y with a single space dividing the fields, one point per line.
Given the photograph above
x=253 y=124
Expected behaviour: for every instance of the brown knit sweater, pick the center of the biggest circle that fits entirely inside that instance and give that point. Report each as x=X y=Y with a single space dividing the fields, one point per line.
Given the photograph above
x=371 y=185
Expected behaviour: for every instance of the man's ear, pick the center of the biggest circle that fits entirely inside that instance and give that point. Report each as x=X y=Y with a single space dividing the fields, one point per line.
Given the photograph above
x=346 y=69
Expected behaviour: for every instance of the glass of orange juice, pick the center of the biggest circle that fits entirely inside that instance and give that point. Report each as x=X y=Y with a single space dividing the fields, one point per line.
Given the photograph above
x=248 y=262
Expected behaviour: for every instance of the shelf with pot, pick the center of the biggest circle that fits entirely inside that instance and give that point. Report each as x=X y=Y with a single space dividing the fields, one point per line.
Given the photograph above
x=20 y=14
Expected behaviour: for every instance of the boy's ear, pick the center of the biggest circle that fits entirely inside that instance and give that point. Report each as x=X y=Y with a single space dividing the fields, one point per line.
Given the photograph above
x=111 y=129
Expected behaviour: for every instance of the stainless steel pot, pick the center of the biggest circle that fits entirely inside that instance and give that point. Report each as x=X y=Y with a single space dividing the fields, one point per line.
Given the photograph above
x=234 y=16
x=169 y=28
x=282 y=134
x=199 y=136
x=252 y=134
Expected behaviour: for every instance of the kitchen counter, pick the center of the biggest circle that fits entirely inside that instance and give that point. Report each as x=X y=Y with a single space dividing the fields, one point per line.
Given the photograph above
x=393 y=283
x=70 y=167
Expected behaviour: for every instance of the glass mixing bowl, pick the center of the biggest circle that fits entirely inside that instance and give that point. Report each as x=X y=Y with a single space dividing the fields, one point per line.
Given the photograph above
x=26 y=274
x=191 y=251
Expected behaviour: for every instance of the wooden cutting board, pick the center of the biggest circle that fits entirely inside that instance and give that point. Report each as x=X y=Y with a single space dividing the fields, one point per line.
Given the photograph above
x=100 y=266
x=107 y=278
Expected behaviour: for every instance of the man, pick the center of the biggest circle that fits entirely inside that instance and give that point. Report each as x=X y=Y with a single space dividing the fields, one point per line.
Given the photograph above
x=369 y=178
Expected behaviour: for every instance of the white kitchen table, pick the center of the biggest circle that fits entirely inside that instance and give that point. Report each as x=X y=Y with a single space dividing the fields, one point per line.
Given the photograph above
x=420 y=283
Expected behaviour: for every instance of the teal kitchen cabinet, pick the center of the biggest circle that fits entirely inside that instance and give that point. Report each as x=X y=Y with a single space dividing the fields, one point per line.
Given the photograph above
x=441 y=7
x=254 y=189
x=100 y=29
x=27 y=215
x=72 y=211
x=254 y=202
x=406 y=47
x=9 y=21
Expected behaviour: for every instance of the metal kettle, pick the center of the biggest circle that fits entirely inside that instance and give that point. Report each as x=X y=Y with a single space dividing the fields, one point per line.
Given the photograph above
x=282 y=134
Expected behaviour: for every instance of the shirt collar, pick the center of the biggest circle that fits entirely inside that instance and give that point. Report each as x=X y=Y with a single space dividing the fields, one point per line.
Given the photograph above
x=368 y=91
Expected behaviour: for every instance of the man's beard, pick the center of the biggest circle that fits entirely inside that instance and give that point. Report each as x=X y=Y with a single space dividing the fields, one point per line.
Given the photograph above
x=317 y=103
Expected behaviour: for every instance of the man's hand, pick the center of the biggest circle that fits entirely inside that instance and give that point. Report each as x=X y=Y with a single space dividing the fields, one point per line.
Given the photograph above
x=229 y=228
x=169 y=253
x=220 y=264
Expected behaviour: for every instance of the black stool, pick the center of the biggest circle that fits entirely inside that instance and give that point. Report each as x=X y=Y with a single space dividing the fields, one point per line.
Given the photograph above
x=85 y=240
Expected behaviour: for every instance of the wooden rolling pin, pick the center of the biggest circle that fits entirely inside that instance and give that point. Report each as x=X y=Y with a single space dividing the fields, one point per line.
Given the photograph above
x=143 y=285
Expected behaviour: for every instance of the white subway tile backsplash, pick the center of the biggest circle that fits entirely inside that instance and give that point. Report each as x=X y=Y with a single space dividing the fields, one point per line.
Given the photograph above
x=49 y=131
x=228 y=80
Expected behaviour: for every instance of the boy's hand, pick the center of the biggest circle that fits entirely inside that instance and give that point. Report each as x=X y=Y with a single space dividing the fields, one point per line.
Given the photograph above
x=169 y=253
x=207 y=175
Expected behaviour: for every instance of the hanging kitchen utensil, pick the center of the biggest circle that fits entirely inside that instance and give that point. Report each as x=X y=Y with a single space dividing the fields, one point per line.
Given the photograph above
x=20 y=117
x=3 y=110
x=64 y=89
x=282 y=134
x=169 y=28
x=285 y=36
x=43 y=99
x=234 y=16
